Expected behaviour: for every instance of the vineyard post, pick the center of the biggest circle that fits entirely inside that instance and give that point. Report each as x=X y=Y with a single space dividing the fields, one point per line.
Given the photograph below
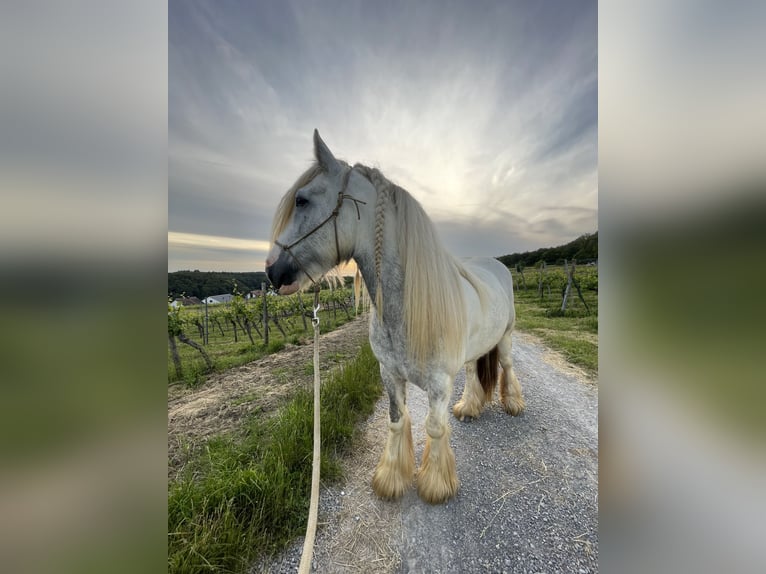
x=265 y=315
x=577 y=286
x=205 y=339
x=303 y=312
x=520 y=270
x=569 y=271
x=175 y=355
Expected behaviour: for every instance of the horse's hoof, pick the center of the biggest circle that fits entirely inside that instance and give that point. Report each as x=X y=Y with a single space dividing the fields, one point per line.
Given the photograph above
x=389 y=485
x=513 y=407
x=437 y=477
x=462 y=412
x=437 y=492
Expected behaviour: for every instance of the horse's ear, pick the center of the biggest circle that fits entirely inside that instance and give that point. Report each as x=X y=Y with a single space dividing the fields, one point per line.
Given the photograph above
x=324 y=156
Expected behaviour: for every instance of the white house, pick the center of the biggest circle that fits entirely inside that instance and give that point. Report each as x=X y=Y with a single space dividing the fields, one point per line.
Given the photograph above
x=216 y=299
x=185 y=302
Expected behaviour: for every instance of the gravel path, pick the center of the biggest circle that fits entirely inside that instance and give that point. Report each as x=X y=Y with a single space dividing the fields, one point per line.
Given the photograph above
x=528 y=500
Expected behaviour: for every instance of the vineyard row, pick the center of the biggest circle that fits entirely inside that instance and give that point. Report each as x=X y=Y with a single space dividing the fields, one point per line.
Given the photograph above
x=248 y=320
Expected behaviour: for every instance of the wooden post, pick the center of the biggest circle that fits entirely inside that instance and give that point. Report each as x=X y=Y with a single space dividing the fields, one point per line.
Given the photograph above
x=265 y=315
x=520 y=271
x=207 y=329
x=579 y=292
x=569 y=271
x=175 y=355
x=303 y=312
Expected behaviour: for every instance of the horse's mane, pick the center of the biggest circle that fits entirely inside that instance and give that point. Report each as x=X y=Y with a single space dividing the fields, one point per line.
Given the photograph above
x=433 y=305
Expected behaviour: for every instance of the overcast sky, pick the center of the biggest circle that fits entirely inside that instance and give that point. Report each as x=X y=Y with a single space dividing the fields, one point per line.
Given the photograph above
x=485 y=111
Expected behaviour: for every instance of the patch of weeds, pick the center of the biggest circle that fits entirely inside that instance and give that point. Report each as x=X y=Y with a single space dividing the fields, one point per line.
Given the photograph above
x=194 y=377
x=248 y=398
x=275 y=346
x=282 y=374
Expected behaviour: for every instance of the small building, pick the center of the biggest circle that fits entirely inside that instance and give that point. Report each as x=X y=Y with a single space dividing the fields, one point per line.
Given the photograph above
x=218 y=299
x=185 y=302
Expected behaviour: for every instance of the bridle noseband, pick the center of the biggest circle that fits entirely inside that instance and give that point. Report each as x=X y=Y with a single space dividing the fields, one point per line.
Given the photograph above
x=334 y=217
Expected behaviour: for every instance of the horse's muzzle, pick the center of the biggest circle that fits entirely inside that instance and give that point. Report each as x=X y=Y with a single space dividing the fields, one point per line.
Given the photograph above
x=283 y=274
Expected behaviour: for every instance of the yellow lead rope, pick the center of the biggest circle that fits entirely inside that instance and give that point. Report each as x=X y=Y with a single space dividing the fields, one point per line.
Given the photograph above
x=311 y=527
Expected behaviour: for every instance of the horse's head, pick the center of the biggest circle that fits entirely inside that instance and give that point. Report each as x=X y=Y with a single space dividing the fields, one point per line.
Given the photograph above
x=314 y=226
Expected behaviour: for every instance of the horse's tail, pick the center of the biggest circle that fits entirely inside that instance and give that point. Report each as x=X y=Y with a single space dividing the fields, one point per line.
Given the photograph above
x=357 y=290
x=486 y=369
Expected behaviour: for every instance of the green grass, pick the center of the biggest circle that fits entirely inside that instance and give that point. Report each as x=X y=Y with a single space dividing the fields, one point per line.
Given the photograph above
x=574 y=333
x=242 y=499
x=577 y=351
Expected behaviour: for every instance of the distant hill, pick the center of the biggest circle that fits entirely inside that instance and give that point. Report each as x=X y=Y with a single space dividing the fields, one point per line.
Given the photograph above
x=584 y=249
x=202 y=284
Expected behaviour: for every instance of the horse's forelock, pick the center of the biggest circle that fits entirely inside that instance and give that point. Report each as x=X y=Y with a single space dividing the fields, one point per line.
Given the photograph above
x=287 y=203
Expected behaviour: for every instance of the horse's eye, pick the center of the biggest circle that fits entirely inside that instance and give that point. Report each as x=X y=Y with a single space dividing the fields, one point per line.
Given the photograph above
x=301 y=201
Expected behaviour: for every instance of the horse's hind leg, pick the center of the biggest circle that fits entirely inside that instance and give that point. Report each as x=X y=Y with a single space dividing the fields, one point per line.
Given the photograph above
x=510 y=389
x=437 y=477
x=393 y=475
x=472 y=402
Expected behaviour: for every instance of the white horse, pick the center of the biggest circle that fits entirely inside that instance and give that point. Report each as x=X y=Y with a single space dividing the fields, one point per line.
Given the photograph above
x=432 y=313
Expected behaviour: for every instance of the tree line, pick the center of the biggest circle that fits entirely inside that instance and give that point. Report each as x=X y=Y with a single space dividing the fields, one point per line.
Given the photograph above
x=584 y=249
x=202 y=284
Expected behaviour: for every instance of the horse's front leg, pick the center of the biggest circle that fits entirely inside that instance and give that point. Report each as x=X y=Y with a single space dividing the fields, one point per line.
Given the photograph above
x=437 y=477
x=393 y=475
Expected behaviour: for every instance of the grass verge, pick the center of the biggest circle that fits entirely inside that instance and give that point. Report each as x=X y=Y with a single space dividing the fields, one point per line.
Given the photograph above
x=574 y=333
x=241 y=500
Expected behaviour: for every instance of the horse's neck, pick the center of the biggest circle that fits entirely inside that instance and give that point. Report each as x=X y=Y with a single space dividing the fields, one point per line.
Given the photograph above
x=391 y=277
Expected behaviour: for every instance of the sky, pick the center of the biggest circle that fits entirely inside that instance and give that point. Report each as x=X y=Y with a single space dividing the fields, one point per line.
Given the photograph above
x=486 y=112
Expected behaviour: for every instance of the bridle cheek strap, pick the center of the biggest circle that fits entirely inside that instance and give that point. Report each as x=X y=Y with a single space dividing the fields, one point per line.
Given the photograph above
x=334 y=217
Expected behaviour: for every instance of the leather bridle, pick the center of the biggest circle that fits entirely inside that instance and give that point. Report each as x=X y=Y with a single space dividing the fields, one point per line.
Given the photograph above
x=332 y=217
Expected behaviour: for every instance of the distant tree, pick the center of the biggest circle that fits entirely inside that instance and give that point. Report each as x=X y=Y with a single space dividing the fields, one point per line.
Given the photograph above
x=584 y=249
x=204 y=283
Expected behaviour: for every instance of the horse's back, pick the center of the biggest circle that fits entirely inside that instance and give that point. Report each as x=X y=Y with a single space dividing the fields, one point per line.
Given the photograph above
x=491 y=272
x=495 y=314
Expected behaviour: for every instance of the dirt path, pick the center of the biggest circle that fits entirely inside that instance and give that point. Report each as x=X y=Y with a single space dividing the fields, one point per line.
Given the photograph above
x=227 y=398
x=528 y=500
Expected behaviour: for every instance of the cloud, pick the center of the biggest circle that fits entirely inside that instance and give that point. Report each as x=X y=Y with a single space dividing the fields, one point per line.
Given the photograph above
x=463 y=108
x=176 y=239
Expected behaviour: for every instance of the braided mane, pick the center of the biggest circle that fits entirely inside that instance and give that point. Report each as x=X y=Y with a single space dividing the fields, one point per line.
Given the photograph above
x=434 y=311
